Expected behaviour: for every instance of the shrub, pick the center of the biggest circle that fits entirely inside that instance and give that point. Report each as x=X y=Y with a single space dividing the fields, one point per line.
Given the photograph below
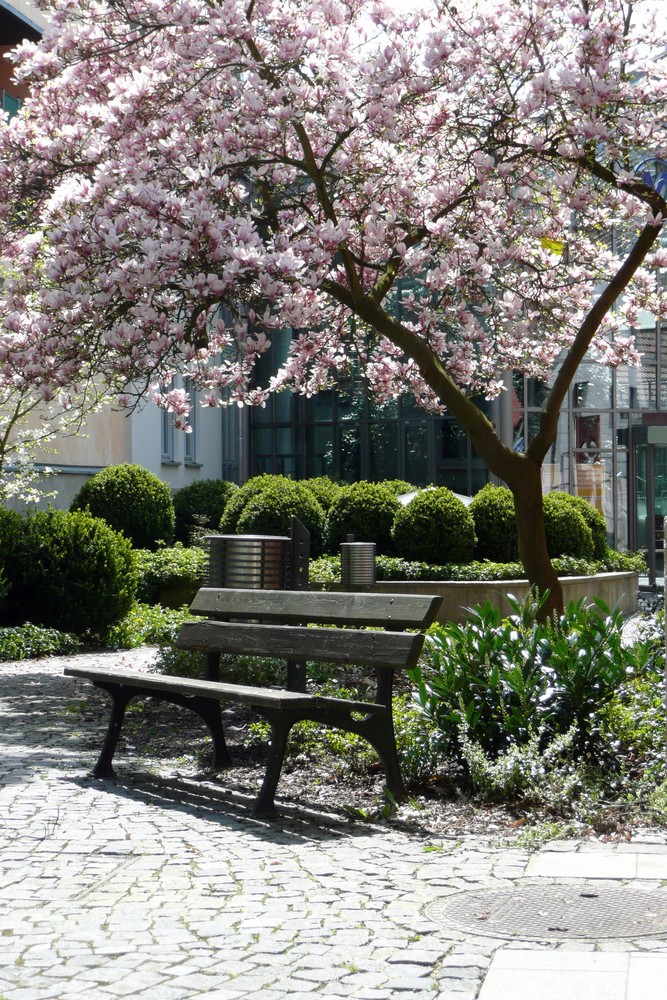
x=502 y=682
x=12 y=531
x=365 y=510
x=30 y=641
x=200 y=505
x=326 y=569
x=435 y=525
x=269 y=512
x=398 y=486
x=566 y=530
x=146 y=624
x=76 y=574
x=236 y=503
x=593 y=518
x=132 y=500
x=176 y=566
x=492 y=511
x=324 y=490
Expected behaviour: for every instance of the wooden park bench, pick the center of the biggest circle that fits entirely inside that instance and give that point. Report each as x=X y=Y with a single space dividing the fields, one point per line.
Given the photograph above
x=360 y=629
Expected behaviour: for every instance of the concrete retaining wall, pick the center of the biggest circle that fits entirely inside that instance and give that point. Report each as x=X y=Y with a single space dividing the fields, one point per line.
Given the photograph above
x=615 y=589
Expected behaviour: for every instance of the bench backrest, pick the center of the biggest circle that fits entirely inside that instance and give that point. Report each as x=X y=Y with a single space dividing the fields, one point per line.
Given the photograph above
x=328 y=645
x=313 y=607
x=274 y=623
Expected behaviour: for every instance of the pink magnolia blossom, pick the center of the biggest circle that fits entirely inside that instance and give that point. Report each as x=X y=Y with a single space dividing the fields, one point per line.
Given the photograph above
x=427 y=192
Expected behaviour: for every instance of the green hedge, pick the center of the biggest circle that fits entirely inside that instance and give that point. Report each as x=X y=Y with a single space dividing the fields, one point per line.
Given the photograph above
x=326 y=570
x=201 y=504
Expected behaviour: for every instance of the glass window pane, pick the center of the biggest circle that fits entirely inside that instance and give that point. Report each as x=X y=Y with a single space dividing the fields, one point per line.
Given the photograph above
x=592 y=387
x=383 y=451
x=319 y=458
x=320 y=406
x=636 y=387
x=349 y=460
x=416 y=453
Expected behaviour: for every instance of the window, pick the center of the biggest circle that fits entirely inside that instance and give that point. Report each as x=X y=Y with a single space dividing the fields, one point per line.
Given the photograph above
x=167 y=430
x=190 y=446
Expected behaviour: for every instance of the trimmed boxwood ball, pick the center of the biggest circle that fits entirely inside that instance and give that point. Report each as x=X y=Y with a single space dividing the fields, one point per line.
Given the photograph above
x=435 y=527
x=203 y=498
x=270 y=510
x=324 y=489
x=365 y=510
x=593 y=518
x=132 y=500
x=492 y=510
x=236 y=503
x=566 y=530
x=398 y=486
x=76 y=574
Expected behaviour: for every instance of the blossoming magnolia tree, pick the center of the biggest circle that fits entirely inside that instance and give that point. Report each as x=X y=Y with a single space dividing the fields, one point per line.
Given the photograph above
x=427 y=194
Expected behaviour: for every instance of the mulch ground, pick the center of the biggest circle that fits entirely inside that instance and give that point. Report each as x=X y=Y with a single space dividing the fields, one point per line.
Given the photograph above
x=163 y=735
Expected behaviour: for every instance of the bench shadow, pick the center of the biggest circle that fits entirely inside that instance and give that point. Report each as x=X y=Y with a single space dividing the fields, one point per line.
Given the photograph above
x=229 y=806
x=48 y=721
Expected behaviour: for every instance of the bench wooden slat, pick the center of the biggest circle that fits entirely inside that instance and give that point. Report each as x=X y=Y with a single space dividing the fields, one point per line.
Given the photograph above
x=206 y=689
x=222 y=691
x=392 y=611
x=353 y=646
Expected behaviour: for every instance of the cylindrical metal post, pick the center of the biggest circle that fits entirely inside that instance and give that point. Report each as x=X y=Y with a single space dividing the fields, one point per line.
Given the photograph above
x=252 y=562
x=357 y=565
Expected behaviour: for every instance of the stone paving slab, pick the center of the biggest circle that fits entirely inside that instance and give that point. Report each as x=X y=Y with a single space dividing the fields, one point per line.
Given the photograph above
x=607 y=864
x=157 y=886
x=544 y=975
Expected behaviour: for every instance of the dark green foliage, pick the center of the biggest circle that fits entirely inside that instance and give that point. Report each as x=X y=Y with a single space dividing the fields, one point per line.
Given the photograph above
x=327 y=568
x=566 y=530
x=75 y=573
x=204 y=500
x=365 y=510
x=173 y=567
x=504 y=682
x=132 y=500
x=324 y=489
x=435 y=525
x=236 y=503
x=593 y=518
x=398 y=486
x=12 y=529
x=270 y=511
x=492 y=510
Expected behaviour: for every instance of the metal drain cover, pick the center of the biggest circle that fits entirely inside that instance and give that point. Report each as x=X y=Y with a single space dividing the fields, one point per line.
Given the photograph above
x=555 y=912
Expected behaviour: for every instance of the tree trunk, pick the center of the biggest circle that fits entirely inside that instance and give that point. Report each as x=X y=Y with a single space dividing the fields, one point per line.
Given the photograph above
x=533 y=552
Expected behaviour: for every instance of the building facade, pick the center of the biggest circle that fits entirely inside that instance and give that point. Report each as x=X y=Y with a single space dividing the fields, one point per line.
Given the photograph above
x=611 y=445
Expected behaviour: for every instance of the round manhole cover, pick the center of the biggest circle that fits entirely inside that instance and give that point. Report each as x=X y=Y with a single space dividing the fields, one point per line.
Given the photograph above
x=556 y=911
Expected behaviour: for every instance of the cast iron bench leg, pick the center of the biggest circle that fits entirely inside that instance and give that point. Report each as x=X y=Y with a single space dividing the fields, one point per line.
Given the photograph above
x=208 y=709
x=281 y=723
x=120 y=697
x=381 y=737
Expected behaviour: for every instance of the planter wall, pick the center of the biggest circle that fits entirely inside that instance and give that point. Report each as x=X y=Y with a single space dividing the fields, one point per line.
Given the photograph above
x=615 y=589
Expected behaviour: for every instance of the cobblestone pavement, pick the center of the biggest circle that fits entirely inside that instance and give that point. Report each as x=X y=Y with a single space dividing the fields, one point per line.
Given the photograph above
x=147 y=886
